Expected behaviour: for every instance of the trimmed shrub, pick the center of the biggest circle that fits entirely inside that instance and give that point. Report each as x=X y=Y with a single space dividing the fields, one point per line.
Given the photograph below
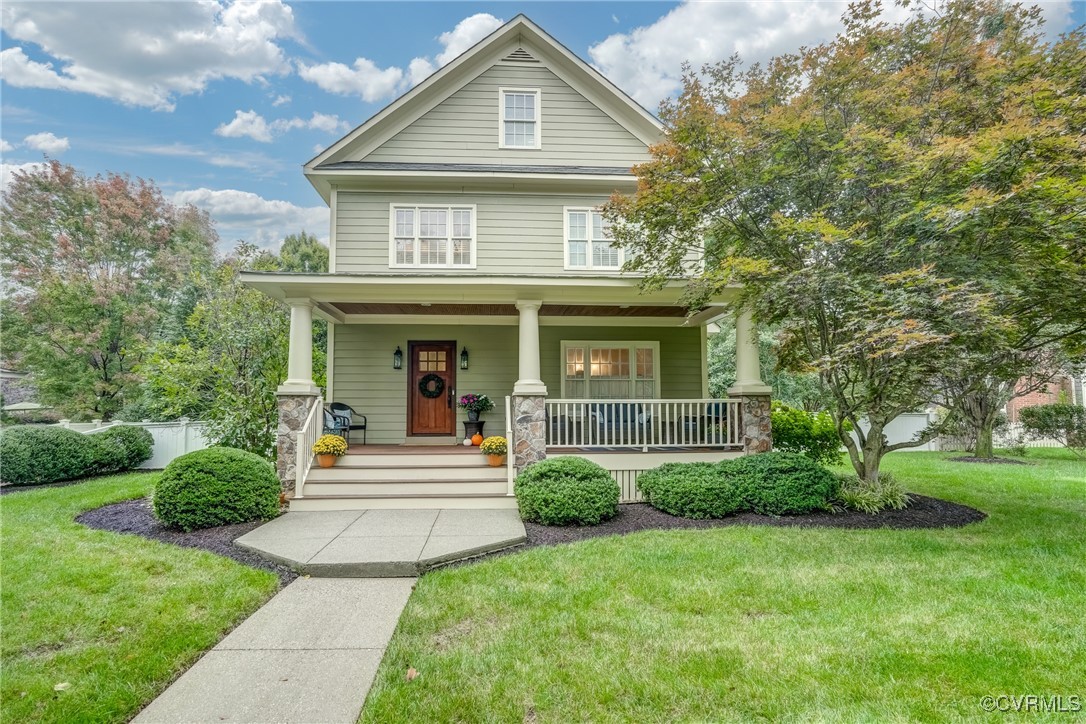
x=868 y=497
x=1061 y=421
x=216 y=486
x=782 y=483
x=566 y=491
x=691 y=490
x=122 y=447
x=40 y=455
x=807 y=433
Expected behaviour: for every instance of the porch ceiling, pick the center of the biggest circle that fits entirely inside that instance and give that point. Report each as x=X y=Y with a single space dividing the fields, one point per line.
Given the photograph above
x=547 y=310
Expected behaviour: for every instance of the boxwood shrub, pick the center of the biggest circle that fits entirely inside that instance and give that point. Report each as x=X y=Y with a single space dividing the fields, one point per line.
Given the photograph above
x=31 y=455
x=216 y=486
x=566 y=491
x=775 y=483
x=122 y=447
x=782 y=483
x=691 y=490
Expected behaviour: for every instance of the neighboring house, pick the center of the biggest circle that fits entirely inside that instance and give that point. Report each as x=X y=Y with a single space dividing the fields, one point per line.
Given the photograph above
x=1071 y=388
x=466 y=241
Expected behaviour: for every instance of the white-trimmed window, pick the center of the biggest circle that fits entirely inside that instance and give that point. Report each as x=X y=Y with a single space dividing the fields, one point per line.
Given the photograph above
x=519 y=116
x=610 y=370
x=432 y=237
x=588 y=241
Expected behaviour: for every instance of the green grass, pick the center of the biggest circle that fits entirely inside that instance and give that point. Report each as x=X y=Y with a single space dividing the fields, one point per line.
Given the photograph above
x=756 y=623
x=117 y=617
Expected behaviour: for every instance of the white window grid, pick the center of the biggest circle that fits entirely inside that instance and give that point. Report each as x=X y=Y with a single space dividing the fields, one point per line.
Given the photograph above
x=432 y=237
x=588 y=241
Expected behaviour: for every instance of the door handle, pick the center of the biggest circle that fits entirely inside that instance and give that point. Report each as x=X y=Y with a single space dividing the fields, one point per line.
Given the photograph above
x=449 y=397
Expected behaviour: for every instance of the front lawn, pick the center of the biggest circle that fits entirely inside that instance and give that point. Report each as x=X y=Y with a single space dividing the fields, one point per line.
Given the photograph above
x=743 y=623
x=113 y=617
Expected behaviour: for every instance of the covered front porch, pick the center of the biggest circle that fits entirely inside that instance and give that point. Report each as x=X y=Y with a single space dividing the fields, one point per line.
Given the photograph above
x=582 y=366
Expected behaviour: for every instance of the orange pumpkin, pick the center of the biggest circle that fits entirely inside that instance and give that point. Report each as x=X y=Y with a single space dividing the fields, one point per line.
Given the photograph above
x=476 y=439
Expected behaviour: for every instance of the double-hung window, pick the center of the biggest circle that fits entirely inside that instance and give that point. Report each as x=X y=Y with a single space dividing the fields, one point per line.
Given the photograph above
x=588 y=241
x=610 y=370
x=519 y=116
x=432 y=237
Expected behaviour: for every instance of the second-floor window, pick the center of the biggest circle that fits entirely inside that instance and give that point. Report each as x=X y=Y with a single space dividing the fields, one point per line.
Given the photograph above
x=519 y=115
x=588 y=241
x=433 y=237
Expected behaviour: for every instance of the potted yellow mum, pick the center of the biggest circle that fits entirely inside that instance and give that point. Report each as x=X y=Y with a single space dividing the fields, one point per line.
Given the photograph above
x=327 y=448
x=495 y=449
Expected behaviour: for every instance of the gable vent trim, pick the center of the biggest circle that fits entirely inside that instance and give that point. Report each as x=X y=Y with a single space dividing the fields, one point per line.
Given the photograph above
x=520 y=55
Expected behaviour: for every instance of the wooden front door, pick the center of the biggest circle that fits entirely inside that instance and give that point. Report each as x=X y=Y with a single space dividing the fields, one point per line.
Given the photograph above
x=431 y=383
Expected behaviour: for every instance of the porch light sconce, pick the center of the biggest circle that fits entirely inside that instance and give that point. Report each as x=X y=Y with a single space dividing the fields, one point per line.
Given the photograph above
x=397 y=359
x=464 y=358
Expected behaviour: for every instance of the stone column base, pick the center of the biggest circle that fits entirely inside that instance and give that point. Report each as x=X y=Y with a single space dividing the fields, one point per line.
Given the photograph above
x=757 y=426
x=293 y=411
x=529 y=443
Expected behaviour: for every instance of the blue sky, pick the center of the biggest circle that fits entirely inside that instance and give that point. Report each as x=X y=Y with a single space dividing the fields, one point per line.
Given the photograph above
x=221 y=103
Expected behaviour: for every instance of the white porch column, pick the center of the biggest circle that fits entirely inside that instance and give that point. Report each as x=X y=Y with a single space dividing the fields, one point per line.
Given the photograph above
x=748 y=375
x=528 y=381
x=300 y=362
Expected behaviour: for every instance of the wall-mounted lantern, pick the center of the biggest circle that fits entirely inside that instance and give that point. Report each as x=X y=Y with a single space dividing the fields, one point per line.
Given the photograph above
x=397 y=359
x=464 y=358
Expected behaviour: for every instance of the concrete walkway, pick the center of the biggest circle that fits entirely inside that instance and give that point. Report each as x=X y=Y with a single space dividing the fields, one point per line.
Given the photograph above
x=378 y=543
x=309 y=655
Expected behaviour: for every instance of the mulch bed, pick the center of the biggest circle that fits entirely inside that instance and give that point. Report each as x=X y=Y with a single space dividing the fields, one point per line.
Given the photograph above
x=136 y=517
x=994 y=461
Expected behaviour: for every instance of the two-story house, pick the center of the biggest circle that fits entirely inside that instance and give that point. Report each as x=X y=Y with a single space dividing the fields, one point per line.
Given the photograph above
x=468 y=255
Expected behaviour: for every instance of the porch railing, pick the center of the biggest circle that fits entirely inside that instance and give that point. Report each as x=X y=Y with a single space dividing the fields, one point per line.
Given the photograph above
x=644 y=423
x=303 y=444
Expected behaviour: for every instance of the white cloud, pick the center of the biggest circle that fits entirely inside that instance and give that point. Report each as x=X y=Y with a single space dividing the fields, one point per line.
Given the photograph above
x=47 y=143
x=245 y=215
x=258 y=163
x=281 y=101
x=144 y=54
x=255 y=126
x=646 y=62
x=5 y=147
x=7 y=171
x=370 y=82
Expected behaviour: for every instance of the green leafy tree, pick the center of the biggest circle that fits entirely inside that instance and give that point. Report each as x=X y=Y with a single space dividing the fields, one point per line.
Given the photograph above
x=797 y=389
x=888 y=200
x=91 y=268
x=303 y=253
x=1061 y=421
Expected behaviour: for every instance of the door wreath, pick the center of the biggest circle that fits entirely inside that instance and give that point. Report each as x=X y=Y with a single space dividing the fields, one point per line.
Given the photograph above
x=434 y=391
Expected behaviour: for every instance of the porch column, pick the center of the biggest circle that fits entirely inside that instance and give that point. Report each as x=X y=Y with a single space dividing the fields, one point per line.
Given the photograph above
x=529 y=443
x=752 y=392
x=298 y=393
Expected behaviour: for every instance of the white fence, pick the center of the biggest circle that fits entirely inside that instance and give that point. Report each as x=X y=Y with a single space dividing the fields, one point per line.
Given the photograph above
x=643 y=423
x=904 y=428
x=172 y=439
x=1015 y=433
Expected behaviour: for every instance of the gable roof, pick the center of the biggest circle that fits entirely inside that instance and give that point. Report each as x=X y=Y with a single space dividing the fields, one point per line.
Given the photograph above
x=505 y=42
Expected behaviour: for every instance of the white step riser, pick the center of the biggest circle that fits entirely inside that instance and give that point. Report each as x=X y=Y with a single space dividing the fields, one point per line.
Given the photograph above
x=378 y=475
x=421 y=460
x=407 y=488
x=308 y=504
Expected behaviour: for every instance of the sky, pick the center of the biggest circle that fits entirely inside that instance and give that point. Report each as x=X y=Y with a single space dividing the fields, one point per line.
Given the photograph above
x=221 y=103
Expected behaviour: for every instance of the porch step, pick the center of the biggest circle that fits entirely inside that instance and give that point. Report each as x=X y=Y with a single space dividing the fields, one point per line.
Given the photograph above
x=403 y=460
x=405 y=487
x=401 y=473
x=423 y=501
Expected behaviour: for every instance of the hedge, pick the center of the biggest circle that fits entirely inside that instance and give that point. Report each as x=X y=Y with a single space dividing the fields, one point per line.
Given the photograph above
x=33 y=455
x=566 y=491
x=691 y=490
x=216 y=486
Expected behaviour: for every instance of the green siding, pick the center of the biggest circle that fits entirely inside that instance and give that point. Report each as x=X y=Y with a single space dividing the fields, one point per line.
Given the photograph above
x=515 y=233
x=464 y=127
x=364 y=378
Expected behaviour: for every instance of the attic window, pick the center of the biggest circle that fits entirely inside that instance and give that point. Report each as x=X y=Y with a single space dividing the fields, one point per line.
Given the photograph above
x=519 y=114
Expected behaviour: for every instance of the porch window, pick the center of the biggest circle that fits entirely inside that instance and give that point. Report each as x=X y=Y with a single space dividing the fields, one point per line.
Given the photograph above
x=519 y=115
x=610 y=370
x=432 y=237
x=588 y=241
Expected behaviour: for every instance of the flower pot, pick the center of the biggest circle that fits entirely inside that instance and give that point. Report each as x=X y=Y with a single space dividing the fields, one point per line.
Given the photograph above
x=473 y=416
x=326 y=461
x=496 y=461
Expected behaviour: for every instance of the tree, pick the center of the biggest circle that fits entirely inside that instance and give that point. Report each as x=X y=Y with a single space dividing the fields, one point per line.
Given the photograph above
x=1061 y=421
x=796 y=389
x=303 y=253
x=888 y=200
x=231 y=359
x=91 y=265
